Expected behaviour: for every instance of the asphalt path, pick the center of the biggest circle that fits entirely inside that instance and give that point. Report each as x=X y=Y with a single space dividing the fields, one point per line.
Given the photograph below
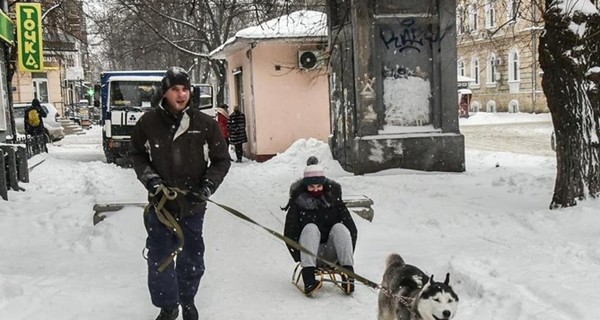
x=523 y=137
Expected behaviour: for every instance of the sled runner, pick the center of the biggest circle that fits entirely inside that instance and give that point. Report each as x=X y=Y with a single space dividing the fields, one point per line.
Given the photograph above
x=358 y=204
x=100 y=209
x=322 y=274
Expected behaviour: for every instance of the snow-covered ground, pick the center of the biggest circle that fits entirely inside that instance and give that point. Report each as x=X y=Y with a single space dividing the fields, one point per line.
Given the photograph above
x=510 y=258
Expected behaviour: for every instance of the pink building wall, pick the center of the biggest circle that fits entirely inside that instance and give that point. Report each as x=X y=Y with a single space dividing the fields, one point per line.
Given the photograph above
x=282 y=105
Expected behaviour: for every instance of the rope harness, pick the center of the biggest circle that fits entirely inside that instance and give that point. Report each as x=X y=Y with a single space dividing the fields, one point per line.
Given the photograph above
x=167 y=219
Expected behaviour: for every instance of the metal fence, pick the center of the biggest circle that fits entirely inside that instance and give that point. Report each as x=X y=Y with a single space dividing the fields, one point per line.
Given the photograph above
x=13 y=161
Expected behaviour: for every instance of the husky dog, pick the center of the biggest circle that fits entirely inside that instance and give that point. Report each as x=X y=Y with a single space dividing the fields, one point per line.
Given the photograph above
x=409 y=294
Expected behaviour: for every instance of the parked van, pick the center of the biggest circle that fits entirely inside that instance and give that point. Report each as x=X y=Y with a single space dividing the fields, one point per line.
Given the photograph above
x=52 y=125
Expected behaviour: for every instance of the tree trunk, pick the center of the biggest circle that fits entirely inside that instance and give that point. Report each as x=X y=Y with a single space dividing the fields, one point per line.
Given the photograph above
x=571 y=89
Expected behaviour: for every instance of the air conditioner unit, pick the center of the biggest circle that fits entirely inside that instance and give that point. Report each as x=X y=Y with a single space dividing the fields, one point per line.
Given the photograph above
x=309 y=60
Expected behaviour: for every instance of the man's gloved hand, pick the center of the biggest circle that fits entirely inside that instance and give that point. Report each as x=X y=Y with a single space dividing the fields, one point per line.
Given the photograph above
x=206 y=189
x=154 y=185
x=202 y=193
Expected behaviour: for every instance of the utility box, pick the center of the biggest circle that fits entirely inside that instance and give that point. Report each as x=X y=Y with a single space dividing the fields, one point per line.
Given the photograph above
x=393 y=85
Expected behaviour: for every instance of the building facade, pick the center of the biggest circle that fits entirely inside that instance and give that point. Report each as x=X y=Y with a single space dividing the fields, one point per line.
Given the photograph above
x=497 y=47
x=276 y=74
x=64 y=80
x=497 y=44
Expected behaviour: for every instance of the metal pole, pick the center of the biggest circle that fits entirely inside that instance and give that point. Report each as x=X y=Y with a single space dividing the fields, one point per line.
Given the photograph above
x=534 y=58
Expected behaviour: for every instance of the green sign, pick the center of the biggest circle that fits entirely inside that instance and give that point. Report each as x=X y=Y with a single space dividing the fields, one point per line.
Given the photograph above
x=29 y=37
x=7 y=28
x=90 y=92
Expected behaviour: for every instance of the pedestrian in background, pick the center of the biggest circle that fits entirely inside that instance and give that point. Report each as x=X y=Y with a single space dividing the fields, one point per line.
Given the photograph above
x=180 y=156
x=34 y=125
x=223 y=119
x=237 y=132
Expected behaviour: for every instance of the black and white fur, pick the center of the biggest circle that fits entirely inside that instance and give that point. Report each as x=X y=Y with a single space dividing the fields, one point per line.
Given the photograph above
x=409 y=294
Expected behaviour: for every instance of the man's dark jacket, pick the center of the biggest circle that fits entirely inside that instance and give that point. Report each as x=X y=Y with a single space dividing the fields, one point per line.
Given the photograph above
x=182 y=150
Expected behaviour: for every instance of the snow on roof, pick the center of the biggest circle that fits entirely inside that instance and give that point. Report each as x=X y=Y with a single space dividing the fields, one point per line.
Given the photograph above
x=298 y=24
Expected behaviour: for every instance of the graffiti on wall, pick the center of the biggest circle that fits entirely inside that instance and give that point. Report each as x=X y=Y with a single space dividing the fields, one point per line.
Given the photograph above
x=409 y=36
x=367 y=92
x=406 y=96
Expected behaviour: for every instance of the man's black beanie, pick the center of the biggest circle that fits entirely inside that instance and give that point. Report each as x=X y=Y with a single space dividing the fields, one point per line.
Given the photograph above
x=175 y=76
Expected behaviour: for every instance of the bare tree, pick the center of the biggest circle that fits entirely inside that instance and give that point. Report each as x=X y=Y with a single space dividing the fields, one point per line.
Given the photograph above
x=154 y=34
x=570 y=59
x=568 y=55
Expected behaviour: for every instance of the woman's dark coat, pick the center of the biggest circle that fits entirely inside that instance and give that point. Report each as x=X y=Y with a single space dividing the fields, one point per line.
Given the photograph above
x=237 y=128
x=325 y=212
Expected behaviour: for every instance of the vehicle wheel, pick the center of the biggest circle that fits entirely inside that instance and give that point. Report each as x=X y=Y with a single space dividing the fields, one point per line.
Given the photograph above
x=110 y=159
x=48 y=136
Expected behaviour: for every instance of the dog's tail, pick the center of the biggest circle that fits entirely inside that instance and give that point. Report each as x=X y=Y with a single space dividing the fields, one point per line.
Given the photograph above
x=394 y=258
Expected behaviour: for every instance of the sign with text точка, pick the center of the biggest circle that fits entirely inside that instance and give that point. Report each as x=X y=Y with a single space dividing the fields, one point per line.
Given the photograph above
x=29 y=37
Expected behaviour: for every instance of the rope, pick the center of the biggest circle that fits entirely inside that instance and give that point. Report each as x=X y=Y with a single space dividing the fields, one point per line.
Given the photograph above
x=406 y=301
x=295 y=244
x=170 y=222
x=167 y=219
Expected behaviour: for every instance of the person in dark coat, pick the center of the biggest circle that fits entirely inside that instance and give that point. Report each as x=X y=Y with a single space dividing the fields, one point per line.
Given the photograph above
x=34 y=123
x=177 y=150
x=319 y=221
x=237 y=132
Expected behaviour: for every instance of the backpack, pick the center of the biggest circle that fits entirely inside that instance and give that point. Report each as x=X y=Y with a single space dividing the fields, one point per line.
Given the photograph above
x=33 y=118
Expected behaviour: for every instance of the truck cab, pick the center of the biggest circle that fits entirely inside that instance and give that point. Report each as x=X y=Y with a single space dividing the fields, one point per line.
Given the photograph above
x=125 y=97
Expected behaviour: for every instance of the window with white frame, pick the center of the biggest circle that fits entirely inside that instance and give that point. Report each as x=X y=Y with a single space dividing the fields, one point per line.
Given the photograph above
x=490 y=14
x=473 y=16
x=492 y=73
x=513 y=7
x=514 y=73
x=475 y=70
x=460 y=21
x=461 y=67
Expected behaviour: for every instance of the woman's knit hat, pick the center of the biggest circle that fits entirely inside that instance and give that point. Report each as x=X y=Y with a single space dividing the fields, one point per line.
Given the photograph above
x=175 y=76
x=313 y=173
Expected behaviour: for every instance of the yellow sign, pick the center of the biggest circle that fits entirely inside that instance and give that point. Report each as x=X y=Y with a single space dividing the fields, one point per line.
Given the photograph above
x=29 y=37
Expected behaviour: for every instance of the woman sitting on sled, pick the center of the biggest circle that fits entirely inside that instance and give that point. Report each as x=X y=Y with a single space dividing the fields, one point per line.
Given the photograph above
x=319 y=221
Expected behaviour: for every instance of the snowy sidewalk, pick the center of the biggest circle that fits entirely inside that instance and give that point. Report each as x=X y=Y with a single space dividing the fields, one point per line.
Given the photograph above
x=508 y=255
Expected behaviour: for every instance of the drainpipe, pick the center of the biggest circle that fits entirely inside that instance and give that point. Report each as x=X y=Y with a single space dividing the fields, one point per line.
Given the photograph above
x=534 y=54
x=8 y=51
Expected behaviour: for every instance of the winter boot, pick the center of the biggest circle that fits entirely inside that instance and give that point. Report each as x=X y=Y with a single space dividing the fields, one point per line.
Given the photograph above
x=168 y=314
x=347 y=281
x=189 y=312
x=310 y=284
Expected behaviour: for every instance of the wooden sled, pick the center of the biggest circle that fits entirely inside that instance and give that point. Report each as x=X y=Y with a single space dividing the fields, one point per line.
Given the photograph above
x=323 y=274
